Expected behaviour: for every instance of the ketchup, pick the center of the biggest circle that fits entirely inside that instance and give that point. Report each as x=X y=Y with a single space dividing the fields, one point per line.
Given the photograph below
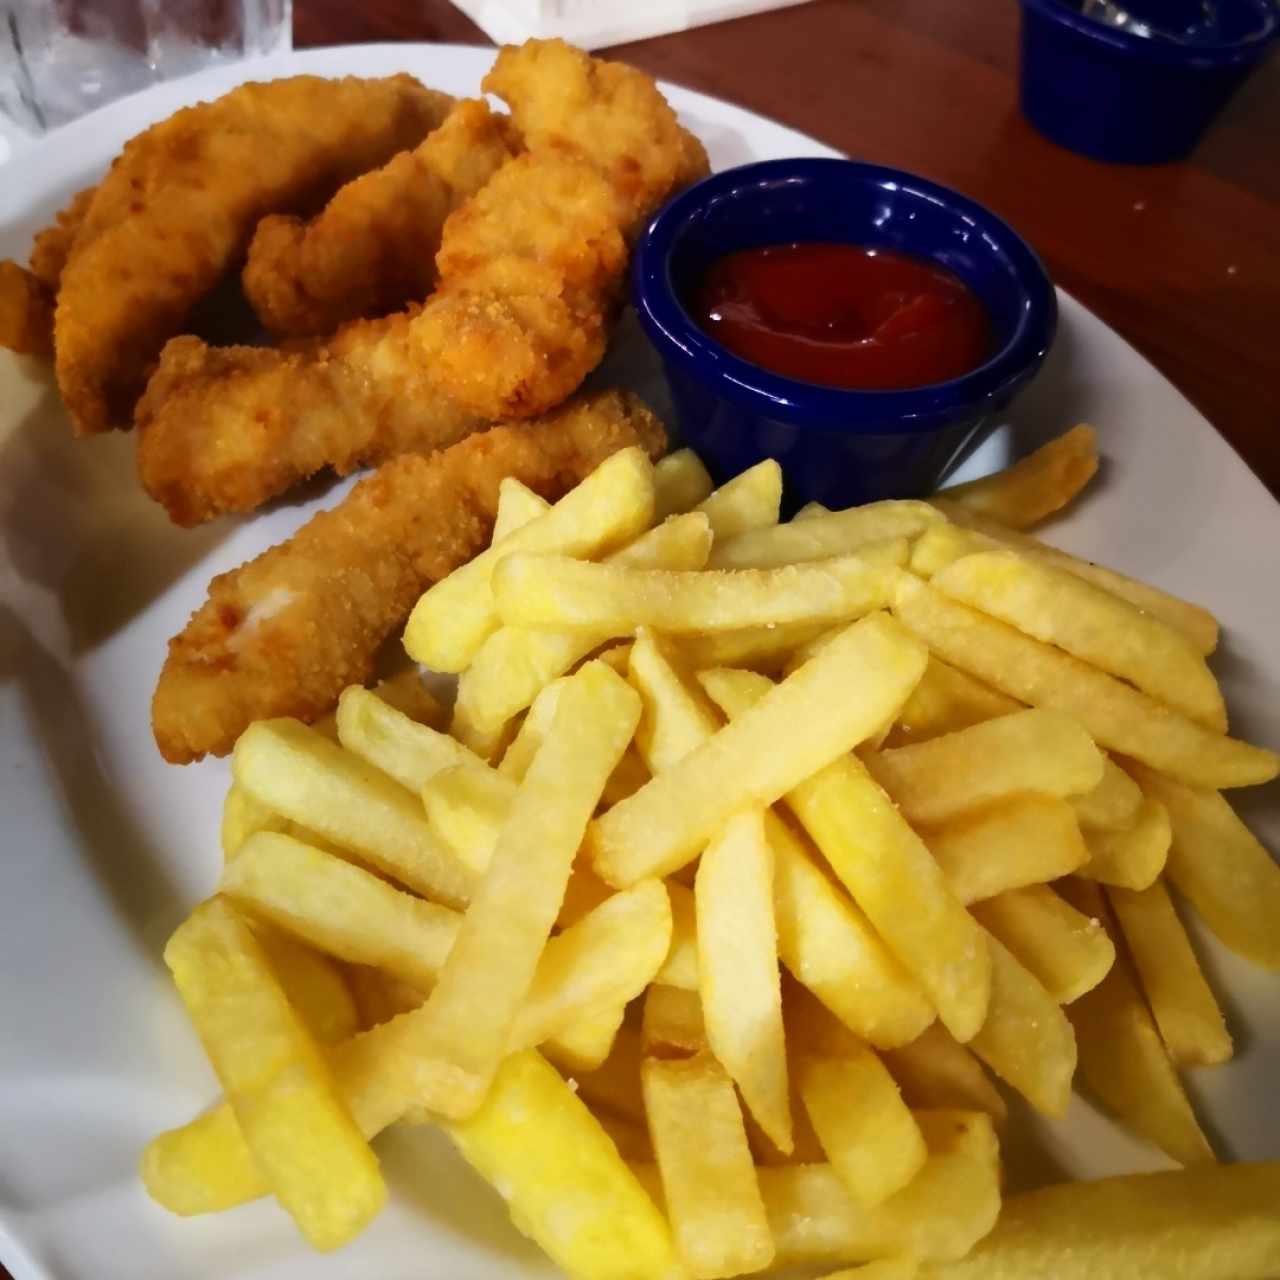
x=843 y=315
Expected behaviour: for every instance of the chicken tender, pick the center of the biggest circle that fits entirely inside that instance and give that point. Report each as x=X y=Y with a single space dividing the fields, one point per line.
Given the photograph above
x=372 y=249
x=179 y=205
x=284 y=634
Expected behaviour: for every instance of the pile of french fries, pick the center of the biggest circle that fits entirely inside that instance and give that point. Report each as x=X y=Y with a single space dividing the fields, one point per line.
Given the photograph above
x=750 y=854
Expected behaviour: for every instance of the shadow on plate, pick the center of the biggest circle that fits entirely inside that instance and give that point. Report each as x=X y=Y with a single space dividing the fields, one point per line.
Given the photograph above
x=133 y=872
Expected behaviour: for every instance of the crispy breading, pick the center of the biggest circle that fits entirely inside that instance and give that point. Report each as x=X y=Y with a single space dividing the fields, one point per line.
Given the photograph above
x=284 y=634
x=26 y=311
x=178 y=206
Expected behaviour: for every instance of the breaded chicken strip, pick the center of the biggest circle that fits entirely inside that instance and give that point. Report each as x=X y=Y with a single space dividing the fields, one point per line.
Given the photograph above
x=180 y=203
x=373 y=248
x=284 y=634
x=27 y=295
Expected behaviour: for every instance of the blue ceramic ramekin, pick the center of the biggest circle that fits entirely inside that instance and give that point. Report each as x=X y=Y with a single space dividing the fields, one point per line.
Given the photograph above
x=836 y=446
x=1138 y=99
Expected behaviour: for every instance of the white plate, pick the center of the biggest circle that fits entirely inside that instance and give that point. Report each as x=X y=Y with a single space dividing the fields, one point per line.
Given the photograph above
x=105 y=847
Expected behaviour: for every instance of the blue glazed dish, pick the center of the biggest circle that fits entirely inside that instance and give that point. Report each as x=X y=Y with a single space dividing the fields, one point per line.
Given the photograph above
x=837 y=446
x=1115 y=95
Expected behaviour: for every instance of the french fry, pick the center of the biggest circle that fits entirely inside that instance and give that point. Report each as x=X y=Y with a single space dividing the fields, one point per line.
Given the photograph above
x=1035 y=486
x=1026 y=1039
x=672 y=1025
x=610 y=507
x=630 y=1138
x=1220 y=867
x=939 y=1215
x=533 y=728
x=751 y=500
x=1131 y=858
x=886 y=868
x=738 y=970
x=837 y=534
x=900 y=1268
x=514 y=664
x=517 y=506
x=626 y=779
x=677 y=716
x=947 y=777
x=680 y=483
x=1112 y=805
x=765 y=648
x=1060 y=609
x=466 y=806
x=1213 y=1222
x=554 y=591
x=870 y=1137
x=380 y=997
x=830 y=947
x=814 y=716
x=680 y=969
x=946 y=700
x=406 y=692
x=614 y=1086
x=1068 y=953
x=1123 y=1061
x=341 y=909
x=1196 y=623
x=562 y=1177
x=586 y=1044
x=467 y=1019
x=1116 y=715
x=385 y=737
x=281 y=1091
x=1023 y=840
x=708 y=1180
x=1181 y=1000
x=313 y=985
x=302 y=775
x=935 y=1071
x=243 y=816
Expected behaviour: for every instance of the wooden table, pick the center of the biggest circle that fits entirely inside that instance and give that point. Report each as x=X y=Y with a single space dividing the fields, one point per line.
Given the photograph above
x=1183 y=260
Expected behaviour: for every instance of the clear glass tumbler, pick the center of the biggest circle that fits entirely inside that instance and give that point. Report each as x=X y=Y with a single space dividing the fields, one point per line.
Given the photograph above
x=61 y=58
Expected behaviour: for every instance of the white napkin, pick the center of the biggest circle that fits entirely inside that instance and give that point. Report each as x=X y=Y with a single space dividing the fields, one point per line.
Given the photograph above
x=594 y=24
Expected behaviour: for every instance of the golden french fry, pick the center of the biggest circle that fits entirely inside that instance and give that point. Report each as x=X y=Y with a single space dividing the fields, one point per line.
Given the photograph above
x=1116 y=715
x=708 y=1180
x=945 y=778
x=672 y=1025
x=811 y=509
x=518 y=505
x=313 y=985
x=1060 y=609
x=515 y=663
x=562 y=1177
x=340 y=908
x=468 y=1017
x=680 y=969
x=1035 y=486
x=751 y=500
x=1023 y=840
x=586 y=1044
x=1068 y=953
x=872 y=1140
x=533 y=728
x=610 y=507
x=936 y=1071
x=738 y=970
x=817 y=714
x=680 y=483
x=1181 y=1000
x=1123 y=1061
x=1218 y=864
x=946 y=700
x=554 y=591
x=838 y=534
x=1026 y=1039
x=466 y=806
x=677 y=716
x=312 y=781
x=380 y=997
x=627 y=778
x=900 y=1268
x=280 y=1088
x=388 y=739
x=243 y=816
x=761 y=648
x=1113 y=804
x=886 y=868
x=614 y=1086
x=1132 y=858
x=406 y=692
x=1214 y=1222
x=1196 y=623
x=940 y=1214
x=830 y=947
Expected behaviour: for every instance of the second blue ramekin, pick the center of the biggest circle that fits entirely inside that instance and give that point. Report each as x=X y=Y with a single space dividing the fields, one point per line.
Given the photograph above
x=836 y=446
